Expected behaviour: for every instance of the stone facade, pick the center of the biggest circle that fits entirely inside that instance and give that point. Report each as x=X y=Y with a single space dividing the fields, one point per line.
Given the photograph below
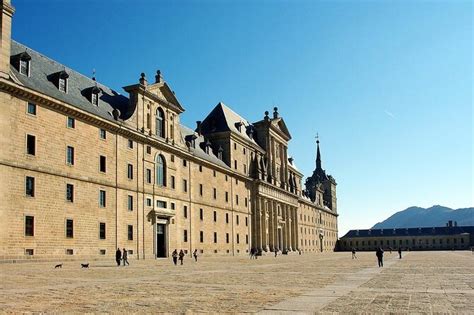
x=86 y=170
x=424 y=238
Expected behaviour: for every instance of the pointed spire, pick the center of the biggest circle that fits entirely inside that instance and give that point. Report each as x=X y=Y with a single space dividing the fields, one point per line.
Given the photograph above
x=318 y=154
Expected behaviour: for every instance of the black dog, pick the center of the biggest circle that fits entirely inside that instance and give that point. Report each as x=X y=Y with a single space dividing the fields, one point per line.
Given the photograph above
x=84 y=265
x=58 y=266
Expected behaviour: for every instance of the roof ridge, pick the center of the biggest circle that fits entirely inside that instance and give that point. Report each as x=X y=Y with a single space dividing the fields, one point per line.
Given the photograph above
x=66 y=67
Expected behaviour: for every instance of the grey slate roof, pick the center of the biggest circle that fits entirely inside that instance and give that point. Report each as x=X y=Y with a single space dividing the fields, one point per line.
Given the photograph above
x=443 y=230
x=79 y=86
x=198 y=149
x=222 y=119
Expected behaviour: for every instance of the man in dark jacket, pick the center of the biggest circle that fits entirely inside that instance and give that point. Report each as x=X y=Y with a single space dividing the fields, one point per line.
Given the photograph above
x=379 y=254
x=118 y=256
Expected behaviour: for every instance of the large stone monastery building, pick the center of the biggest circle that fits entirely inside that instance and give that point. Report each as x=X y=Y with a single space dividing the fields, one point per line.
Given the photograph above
x=85 y=170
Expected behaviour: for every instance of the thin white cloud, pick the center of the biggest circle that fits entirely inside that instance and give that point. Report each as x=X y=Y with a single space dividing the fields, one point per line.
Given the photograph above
x=391 y=115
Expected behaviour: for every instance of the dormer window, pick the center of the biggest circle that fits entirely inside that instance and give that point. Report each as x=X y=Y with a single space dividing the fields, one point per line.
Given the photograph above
x=62 y=85
x=22 y=63
x=25 y=67
x=95 y=95
x=95 y=99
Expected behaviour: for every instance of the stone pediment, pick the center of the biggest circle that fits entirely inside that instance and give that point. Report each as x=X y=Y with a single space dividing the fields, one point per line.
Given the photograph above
x=163 y=91
x=279 y=125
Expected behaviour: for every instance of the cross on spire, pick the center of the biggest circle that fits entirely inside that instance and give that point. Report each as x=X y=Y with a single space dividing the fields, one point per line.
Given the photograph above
x=318 y=154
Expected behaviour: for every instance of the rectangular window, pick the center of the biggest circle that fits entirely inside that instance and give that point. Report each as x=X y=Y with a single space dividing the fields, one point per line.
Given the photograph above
x=102 y=231
x=185 y=236
x=31 y=108
x=130 y=144
x=24 y=67
x=185 y=211
x=226 y=196
x=227 y=238
x=70 y=192
x=161 y=204
x=95 y=99
x=235 y=164
x=215 y=237
x=71 y=122
x=200 y=189
x=172 y=182
x=200 y=168
x=172 y=158
x=245 y=168
x=215 y=216
x=148 y=202
x=237 y=200
x=62 y=85
x=103 y=134
x=201 y=214
x=185 y=163
x=215 y=193
x=238 y=238
x=201 y=236
x=102 y=200
x=130 y=171
x=29 y=225
x=226 y=218
x=148 y=149
x=30 y=186
x=130 y=232
x=237 y=219
x=214 y=173
x=172 y=206
x=102 y=164
x=246 y=202
x=148 y=176
x=246 y=221
x=246 y=239
x=130 y=203
x=69 y=228
x=70 y=155
x=69 y=251
x=185 y=185
x=29 y=251
x=30 y=145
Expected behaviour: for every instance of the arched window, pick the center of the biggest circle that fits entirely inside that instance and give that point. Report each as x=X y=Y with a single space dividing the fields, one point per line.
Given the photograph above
x=160 y=170
x=160 y=123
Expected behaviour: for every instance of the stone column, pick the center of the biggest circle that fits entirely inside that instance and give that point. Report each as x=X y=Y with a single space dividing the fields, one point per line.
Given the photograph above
x=275 y=215
x=290 y=229
x=296 y=245
x=264 y=224
x=271 y=226
x=285 y=228
x=258 y=224
x=285 y=167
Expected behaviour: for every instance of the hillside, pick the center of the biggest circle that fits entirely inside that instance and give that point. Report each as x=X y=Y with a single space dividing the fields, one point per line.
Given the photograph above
x=433 y=216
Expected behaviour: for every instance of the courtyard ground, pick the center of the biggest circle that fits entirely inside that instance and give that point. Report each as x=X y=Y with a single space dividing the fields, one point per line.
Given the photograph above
x=421 y=282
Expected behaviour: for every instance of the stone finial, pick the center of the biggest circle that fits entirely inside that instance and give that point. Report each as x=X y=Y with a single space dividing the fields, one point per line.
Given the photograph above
x=266 y=115
x=143 y=80
x=158 y=77
x=275 y=112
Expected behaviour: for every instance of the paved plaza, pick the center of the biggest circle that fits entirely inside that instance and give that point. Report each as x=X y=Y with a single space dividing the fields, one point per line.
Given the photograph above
x=422 y=282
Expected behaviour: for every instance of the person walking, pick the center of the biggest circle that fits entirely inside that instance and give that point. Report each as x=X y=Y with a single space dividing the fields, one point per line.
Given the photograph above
x=118 y=256
x=125 y=257
x=399 y=253
x=181 y=256
x=195 y=254
x=354 y=253
x=175 y=257
x=379 y=254
x=276 y=252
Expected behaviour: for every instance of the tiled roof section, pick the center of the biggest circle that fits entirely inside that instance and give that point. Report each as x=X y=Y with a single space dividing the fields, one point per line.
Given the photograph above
x=426 y=231
x=42 y=79
x=198 y=149
x=222 y=118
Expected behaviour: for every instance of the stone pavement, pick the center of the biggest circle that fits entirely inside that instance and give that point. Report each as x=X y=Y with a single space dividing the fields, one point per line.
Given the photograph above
x=422 y=282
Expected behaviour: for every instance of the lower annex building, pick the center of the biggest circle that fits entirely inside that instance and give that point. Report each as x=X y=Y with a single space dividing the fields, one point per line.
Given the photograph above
x=86 y=170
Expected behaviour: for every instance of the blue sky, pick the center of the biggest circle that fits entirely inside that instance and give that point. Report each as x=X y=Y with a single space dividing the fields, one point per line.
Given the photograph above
x=386 y=84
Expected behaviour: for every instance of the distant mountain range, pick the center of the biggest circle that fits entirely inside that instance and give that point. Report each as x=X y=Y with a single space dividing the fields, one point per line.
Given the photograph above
x=421 y=217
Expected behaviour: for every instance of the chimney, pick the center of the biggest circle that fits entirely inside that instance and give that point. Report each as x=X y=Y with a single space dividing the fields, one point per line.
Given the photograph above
x=158 y=77
x=198 y=127
x=143 y=80
x=450 y=223
x=5 y=40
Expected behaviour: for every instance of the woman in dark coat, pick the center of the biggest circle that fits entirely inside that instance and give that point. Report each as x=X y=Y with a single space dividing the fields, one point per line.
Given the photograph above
x=118 y=256
x=181 y=256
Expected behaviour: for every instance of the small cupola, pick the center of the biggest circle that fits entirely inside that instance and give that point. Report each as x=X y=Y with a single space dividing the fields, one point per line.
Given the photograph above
x=219 y=153
x=250 y=131
x=94 y=97
x=22 y=63
x=238 y=125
